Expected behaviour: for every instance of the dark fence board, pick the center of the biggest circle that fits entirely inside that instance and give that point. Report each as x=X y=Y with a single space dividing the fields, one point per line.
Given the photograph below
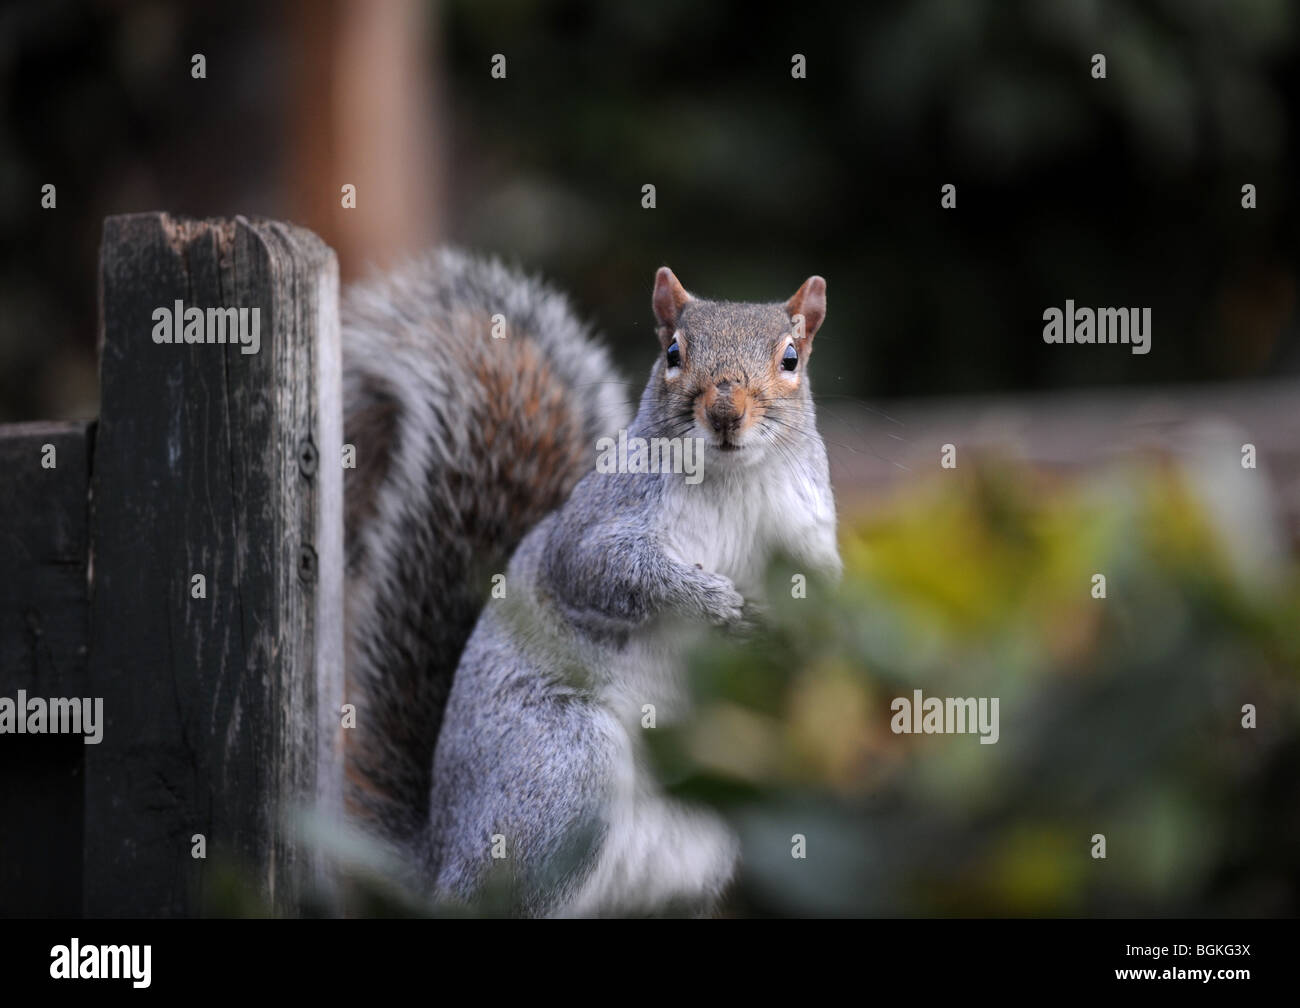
x=43 y=607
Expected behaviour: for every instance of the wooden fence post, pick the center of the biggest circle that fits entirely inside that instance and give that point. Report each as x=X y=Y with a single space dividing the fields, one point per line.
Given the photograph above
x=216 y=562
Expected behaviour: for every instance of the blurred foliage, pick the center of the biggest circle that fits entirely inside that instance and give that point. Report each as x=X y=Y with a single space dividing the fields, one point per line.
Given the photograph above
x=1119 y=716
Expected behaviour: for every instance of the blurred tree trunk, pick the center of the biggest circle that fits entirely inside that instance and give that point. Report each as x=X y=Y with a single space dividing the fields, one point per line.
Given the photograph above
x=365 y=109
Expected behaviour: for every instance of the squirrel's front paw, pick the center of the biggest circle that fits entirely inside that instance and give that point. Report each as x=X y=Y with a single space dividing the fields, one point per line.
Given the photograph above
x=720 y=603
x=752 y=617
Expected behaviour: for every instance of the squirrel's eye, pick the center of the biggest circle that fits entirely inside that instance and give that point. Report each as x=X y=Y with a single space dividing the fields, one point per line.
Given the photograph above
x=790 y=359
x=674 y=355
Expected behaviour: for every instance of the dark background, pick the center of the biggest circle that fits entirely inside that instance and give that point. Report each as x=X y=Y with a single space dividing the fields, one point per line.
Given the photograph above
x=1123 y=191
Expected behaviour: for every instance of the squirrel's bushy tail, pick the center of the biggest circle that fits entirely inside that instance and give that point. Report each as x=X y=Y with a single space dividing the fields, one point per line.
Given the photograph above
x=463 y=442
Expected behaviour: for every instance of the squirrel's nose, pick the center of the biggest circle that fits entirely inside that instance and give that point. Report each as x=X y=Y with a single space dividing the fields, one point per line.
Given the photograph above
x=724 y=416
x=724 y=423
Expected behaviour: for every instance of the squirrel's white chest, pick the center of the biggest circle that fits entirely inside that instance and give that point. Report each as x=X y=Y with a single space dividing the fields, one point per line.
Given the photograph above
x=733 y=523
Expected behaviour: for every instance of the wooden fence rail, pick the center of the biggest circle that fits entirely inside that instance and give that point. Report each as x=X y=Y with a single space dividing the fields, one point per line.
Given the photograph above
x=181 y=560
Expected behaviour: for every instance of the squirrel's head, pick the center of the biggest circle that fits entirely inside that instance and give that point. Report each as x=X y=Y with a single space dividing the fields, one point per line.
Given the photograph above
x=735 y=374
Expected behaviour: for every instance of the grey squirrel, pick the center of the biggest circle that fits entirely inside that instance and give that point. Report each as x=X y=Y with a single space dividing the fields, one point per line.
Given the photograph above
x=503 y=728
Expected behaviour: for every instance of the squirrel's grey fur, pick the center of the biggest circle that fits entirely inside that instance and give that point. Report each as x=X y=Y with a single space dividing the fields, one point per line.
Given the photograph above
x=540 y=758
x=462 y=443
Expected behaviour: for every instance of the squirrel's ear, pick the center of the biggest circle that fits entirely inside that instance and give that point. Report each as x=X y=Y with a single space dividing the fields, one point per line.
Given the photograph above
x=810 y=302
x=669 y=299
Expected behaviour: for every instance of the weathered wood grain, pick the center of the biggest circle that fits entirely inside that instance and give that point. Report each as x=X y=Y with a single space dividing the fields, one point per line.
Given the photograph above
x=220 y=710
